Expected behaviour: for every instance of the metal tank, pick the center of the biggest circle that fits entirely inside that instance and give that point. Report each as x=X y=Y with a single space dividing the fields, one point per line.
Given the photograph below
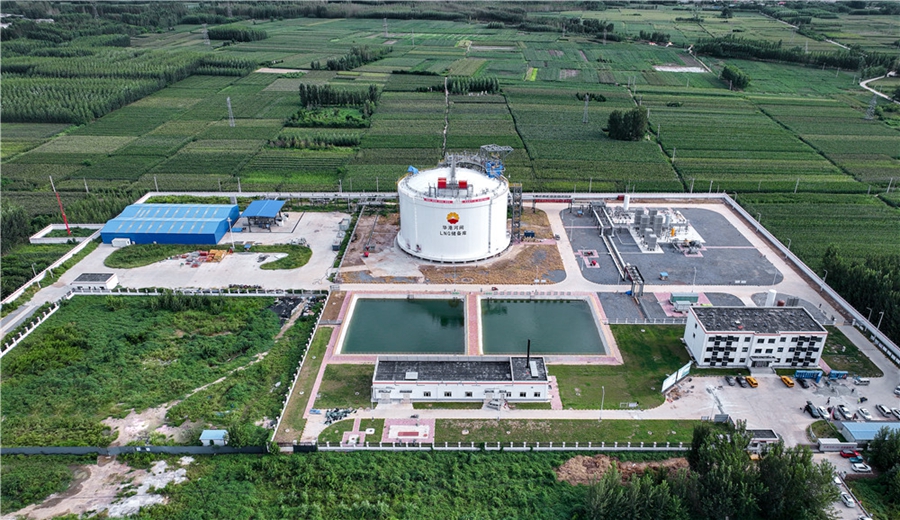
x=454 y=213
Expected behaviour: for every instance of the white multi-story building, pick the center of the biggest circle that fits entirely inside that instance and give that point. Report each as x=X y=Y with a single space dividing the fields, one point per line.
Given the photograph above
x=778 y=337
x=460 y=378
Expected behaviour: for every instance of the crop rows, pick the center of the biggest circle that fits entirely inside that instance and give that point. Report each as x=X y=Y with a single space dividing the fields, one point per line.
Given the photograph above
x=214 y=162
x=296 y=161
x=131 y=120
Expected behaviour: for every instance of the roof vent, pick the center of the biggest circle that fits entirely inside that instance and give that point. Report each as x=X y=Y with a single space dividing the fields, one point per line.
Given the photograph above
x=412 y=376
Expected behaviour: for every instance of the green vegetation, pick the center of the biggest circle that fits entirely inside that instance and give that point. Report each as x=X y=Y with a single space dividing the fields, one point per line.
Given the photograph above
x=23 y=261
x=297 y=256
x=841 y=354
x=236 y=33
x=338 y=486
x=293 y=413
x=253 y=393
x=558 y=431
x=871 y=281
x=881 y=495
x=101 y=356
x=29 y=479
x=735 y=77
x=76 y=232
x=648 y=356
x=346 y=386
x=786 y=483
x=825 y=429
x=630 y=125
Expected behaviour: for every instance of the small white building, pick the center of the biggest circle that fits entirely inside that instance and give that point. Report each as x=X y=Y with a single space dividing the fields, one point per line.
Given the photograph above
x=96 y=281
x=778 y=337
x=460 y=378
x=214 y=438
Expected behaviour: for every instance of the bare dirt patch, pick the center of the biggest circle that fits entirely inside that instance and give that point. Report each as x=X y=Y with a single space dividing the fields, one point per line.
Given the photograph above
x=568 y=73
x=375 y=231
x=95 y=489
x=555 y=53
x=333 y=306
x=137 y=426
x=582 y=469
x=521 y=264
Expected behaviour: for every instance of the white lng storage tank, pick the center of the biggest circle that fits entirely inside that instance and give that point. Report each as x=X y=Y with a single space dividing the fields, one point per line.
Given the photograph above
x=455 y=212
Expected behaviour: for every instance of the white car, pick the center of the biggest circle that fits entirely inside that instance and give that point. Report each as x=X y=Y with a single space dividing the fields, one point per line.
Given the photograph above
x=896 y=412
x=859 y=467
x=883 y=410
x=897 y=390
x=864 y=414
x=848 y=500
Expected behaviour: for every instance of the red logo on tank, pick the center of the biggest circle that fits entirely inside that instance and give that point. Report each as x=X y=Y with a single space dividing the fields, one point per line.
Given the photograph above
x=452 y=218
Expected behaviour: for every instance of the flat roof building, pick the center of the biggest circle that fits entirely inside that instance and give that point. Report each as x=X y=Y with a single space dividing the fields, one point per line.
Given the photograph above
x=781 y=337
x=460 y=378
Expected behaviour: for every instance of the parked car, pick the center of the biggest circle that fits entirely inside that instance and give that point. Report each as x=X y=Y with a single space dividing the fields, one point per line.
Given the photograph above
x=848 y=500
x=811 y=408
x=897 y=390
x=883 y=410
x=752 y=381
x=861 y=468
x=788 y=382
x=729 y=380
x=864 y=414
x=857 y=460
x=848 y=453
x=845 y=412
x=826 y=414
x=896 y=412
x=742 y=381
x=803 y=382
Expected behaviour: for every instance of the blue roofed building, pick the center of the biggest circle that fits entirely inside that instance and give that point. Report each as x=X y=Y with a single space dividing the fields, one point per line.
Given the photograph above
x=171 y=223
x=863 y=432
x=263 y=213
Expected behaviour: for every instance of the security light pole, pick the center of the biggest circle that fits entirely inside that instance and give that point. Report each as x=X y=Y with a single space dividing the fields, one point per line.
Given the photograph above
x=880 y=317
x=869 y=318
x=602 y=399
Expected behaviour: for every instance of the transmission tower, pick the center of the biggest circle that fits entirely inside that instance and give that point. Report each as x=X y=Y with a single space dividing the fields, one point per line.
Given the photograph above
x=870 y=112
x=385 y=27
x=228 y=10
x=94 y=7
x=585 y=118
x=515 y=191
x=230 y=112
x=205 y=35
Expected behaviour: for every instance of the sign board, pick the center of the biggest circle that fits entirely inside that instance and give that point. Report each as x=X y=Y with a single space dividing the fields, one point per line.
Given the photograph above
x=670 y=381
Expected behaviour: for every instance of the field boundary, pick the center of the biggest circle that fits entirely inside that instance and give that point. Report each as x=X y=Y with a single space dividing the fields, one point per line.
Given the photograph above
x=504 y=446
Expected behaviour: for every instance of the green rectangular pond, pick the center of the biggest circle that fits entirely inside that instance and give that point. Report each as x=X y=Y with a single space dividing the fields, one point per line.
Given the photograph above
x=554 y=327
x=401 y=326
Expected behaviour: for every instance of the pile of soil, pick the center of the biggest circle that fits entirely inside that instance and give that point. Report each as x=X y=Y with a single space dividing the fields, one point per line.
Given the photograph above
x=582 y=469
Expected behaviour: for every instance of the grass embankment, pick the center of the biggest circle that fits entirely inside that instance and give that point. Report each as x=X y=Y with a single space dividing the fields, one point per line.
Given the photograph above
x=335 y=432
x=140 y=255
x=823 y=429
x=841 y=354
x=292 y=423
x=563 y=430
x=872 y=493
x=648 y=356
x=346 y=386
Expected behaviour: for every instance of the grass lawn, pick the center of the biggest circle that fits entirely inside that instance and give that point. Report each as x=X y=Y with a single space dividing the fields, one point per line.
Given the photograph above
x=448 y=406
x=293 y=413
x=841 y=354
x=721 y=372
x=297 y=256
x=825 y=429
x=530 y=406
x=346 y=386
x=335 y=432
x=649 y=357
x=563 y=430
x=76 y=232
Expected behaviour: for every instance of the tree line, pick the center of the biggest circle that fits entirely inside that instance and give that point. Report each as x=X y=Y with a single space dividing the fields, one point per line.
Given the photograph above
x=236 y=33
x=735 y=77
x=742 y=48
x=314 y=142
x=868 y=281
x=314 y=96
x=627 y=125
x=465 y=84
x=357 y=57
